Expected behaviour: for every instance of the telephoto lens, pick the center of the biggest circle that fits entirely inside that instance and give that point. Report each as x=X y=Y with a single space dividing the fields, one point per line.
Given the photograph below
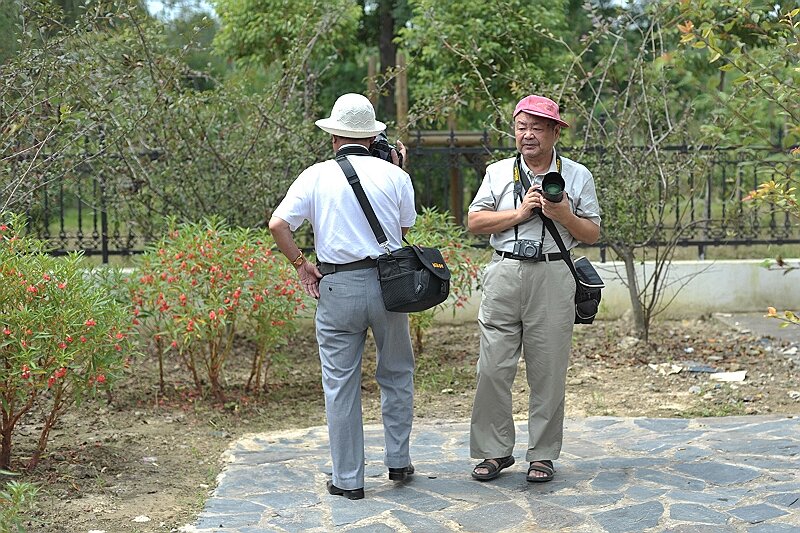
x=553 y=187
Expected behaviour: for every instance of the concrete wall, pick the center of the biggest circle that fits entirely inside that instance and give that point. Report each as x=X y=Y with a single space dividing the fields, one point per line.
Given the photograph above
x=698 y=288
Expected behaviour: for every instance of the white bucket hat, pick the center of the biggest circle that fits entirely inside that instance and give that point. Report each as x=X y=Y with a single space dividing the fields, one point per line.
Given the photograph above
x=352 y=116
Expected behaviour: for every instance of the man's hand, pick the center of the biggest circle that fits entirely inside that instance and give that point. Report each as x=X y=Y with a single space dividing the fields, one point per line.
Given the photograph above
x=560 y=212
x=399 y=154
x=309 y=278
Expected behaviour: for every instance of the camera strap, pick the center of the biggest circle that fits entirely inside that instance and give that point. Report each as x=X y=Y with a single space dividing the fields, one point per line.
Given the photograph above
x=361 y=196
x=522 y=184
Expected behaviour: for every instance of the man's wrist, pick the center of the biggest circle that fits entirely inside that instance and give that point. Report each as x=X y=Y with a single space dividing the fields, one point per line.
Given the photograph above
x=299 y=260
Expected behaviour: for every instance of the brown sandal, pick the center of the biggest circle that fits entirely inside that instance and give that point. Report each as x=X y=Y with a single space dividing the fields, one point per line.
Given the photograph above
x=493 y=468
x=545 y=467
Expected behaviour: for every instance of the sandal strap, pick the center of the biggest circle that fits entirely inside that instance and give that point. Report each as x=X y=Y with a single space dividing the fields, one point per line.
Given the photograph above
x=545 y=466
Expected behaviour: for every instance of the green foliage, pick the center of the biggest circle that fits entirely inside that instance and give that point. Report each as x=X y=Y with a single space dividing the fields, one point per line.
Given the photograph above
x=439 y=229
x=204 y=285
x=62 y=335
x=756 y=48
x=477 y=58
x=16 y=500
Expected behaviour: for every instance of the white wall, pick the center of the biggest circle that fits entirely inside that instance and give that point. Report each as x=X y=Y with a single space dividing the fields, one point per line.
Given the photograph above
x=699 y=287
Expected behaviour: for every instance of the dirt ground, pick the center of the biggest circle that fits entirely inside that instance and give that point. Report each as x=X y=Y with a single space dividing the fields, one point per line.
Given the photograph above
x=147 y=461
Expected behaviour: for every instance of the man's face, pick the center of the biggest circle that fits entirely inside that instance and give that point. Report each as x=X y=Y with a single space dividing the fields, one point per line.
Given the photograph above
x=535 y=136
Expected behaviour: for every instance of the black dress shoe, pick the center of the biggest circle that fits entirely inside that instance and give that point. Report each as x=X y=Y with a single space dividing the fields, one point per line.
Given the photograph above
x=400 y=474
x=354 y=494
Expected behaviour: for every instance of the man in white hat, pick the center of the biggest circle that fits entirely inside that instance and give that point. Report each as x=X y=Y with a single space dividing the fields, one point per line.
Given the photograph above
x=345 y=282
x=528 y=305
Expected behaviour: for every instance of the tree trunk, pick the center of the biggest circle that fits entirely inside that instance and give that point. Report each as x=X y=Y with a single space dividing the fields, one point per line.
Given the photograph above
x=388 y=52
x=639 y=324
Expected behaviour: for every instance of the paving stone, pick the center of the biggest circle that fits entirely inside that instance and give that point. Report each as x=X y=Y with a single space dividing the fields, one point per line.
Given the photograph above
x=718 y=473
x=373 y=528
x=786 y=499
x=219 y=522
x=614 y=475
x=776 y=527
x=609 y=481
x=665 y=478
x=640 y=494
x=585 y=500
x=344 y=511
x=417 y=522
x=491 y=518
x=757 y=513
x=690 y=512
x=662 y=425
x=553 y=518
x=414 y=499
x=285 y=500
x=632 y=518
x=298 y=520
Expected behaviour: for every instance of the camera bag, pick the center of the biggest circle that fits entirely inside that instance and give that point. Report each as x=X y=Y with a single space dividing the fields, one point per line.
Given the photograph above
x=413 y=278
x=588 y=283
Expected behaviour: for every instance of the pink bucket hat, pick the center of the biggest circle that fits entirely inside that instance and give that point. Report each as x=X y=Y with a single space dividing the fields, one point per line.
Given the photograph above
x=540 y=107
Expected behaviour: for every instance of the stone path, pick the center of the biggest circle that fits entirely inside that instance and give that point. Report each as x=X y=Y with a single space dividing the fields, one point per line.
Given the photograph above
x=733 y=474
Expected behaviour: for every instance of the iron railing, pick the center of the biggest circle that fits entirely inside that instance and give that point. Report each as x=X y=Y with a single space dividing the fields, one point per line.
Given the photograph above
x=84 y=211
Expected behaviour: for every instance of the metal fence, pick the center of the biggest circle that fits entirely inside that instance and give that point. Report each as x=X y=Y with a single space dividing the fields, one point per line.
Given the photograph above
x=89 y=214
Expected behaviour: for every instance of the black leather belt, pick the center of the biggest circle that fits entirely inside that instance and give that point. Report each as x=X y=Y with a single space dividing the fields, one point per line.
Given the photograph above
x=546 y=257
x=330 y=268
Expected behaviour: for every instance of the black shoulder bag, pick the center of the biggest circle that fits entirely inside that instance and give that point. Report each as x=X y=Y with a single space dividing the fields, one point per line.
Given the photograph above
x=413 y=278
x=588 y=283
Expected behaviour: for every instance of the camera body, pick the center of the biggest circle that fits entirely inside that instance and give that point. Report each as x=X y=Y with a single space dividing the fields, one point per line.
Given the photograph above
x=528 y=249
x=381 y=149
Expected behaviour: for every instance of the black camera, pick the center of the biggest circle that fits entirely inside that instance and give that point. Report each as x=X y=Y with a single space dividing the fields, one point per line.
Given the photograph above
x=381 y=149
x=528 y=249
x=553 y=187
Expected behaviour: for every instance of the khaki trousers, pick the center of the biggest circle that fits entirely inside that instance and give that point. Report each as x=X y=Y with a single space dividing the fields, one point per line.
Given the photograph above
x=526 y=308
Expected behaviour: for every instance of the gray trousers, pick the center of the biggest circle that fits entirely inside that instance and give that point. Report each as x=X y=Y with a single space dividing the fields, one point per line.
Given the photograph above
x=526 y=308
x=349 y=304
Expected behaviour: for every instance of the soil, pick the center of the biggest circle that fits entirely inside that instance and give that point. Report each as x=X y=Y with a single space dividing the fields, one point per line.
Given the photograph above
x=147 y=461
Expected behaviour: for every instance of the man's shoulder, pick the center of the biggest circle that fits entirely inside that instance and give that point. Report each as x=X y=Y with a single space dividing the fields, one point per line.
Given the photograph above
x=502 y=165
x=570 y=165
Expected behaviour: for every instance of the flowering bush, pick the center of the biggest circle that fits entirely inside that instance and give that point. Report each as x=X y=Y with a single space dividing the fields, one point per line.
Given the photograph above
x=439 y=229
x=62 y=335
x=205 y=283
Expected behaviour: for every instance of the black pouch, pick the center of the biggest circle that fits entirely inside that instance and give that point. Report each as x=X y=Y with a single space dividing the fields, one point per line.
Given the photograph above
x=413 y=278
x=587 y=291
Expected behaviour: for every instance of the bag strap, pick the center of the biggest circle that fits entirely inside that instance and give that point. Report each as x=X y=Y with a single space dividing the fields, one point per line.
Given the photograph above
x=550 y=225
x=358 y=189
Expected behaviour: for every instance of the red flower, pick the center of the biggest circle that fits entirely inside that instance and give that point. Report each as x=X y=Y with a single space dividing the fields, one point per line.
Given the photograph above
x=51 y=381
x=83 y=339
x=62 y=285
x=89 y=323
x=7 y=331
x=212 y=315
x=61 y=372
x=62 y=345
x=101 y=378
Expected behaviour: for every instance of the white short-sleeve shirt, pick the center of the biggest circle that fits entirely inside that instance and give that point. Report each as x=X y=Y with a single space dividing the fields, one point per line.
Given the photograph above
x=496 y=193
x=322 y=195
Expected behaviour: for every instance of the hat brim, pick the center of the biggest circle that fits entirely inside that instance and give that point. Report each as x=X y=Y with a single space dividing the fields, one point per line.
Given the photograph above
x=556 y=120
x=335 y=128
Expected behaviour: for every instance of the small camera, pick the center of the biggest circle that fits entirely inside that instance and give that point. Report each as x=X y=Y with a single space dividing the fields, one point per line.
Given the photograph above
x=381 y=149
x=528 y=249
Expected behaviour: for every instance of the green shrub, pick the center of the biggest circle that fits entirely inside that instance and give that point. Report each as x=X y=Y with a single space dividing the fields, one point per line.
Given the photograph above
x=62 y=335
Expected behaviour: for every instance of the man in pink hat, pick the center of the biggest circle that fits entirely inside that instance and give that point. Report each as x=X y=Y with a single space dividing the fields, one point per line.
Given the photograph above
x=528 y=304
x=345 y=284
